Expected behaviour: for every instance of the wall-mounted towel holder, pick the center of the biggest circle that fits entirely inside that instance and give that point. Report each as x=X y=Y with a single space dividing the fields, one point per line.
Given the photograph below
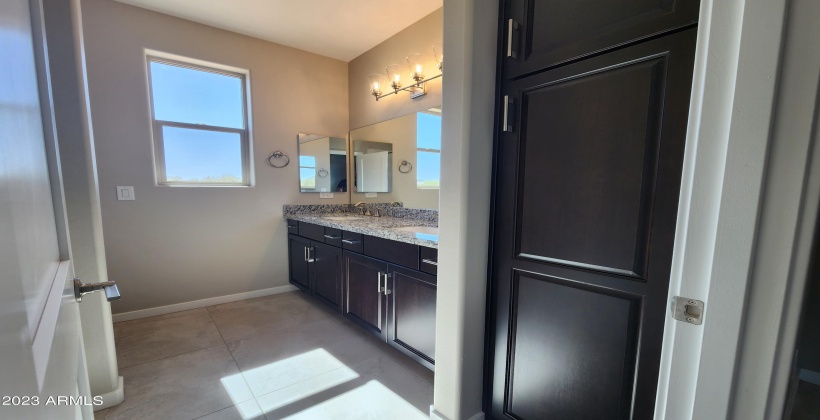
x=278 y=155
x=405 y=164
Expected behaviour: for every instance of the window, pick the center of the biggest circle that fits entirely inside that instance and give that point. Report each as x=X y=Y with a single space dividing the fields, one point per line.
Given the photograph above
x=200 y=123
x=307 y=172
x=428 y=155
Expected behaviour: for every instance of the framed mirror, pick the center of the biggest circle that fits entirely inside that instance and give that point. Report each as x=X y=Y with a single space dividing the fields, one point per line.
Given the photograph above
x=398 y=160
x=322 y=163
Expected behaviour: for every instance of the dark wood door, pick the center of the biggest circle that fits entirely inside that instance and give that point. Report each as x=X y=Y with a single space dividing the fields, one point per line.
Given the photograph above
x=585 y=210
x=365 y=301
x=298 y=257
x=411 y=313
x=547 y=33
x=326 y=274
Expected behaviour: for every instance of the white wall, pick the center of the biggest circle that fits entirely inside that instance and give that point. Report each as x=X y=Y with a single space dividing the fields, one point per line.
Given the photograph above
x=172 y=244
x=416 y=38
x=467 y=132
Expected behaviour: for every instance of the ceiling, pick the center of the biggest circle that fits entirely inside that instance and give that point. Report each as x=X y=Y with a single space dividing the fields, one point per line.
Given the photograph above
x=341 y=29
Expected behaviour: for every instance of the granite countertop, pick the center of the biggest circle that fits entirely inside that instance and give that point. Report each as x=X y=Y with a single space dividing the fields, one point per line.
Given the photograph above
x=382 y=227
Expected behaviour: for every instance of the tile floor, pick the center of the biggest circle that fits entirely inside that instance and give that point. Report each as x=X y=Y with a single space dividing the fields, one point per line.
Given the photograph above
x=282 y=356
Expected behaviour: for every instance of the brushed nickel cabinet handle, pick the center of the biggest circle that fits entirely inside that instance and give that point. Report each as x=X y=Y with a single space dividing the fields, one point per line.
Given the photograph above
x=431 y=262
x=350 y=242
x=512 y=28
x=332 y=237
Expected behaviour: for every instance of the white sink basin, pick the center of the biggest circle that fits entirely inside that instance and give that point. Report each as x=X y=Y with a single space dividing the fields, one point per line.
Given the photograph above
x=427 y=230
x=342 y=217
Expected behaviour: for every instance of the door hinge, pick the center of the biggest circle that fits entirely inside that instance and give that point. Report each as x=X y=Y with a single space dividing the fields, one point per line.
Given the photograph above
x=508 y=114
x=687 y=310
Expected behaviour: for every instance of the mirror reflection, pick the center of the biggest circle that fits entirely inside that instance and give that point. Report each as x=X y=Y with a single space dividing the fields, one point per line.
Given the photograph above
x=372 y=164
x=410 y=146
x=322 y=163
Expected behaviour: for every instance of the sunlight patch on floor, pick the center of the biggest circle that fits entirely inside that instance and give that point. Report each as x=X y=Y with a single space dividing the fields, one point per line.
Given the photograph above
x=371 y=400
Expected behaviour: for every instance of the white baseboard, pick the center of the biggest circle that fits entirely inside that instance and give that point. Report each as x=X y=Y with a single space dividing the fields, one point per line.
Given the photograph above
x=112 y=398
x=162 y=310
x=810 y=376
x=435 y=415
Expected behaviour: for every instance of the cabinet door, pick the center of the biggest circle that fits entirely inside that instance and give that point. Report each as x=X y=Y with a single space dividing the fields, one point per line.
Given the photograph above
x=298 y=267
x=326 y=273
x=551 y=32
x=411 y=310
x=364 y=299
x=584 y=230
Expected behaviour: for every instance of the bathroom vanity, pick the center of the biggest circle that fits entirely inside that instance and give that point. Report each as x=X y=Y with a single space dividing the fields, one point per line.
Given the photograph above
x=379 y=272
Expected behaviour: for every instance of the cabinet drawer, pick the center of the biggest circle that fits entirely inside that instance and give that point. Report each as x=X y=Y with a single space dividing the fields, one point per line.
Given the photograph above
x=352 y=241
x=315 y=232
x=392 y=251
x=333 y=236
x=293 y=227
x=428 y=260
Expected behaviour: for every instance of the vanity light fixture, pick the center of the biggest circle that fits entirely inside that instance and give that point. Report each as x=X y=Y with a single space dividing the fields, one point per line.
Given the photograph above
x=417 y=65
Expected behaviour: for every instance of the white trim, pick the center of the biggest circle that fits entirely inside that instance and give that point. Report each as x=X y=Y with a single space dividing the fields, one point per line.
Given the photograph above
x=435 y=415
x=177 y=307
x=112 y=398
x=44 y=336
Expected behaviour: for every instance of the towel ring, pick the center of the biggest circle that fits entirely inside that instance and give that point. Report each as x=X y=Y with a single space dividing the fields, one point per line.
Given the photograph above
x=278 y=155
x=322 y=170
x=404 y=164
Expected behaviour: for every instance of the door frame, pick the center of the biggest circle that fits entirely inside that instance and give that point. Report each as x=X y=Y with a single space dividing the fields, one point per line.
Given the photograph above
x=747 y=211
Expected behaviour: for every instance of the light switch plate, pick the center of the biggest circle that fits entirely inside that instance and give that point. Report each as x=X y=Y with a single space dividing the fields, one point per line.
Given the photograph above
x=371 y=195
x=125 y=192
x=326 y=195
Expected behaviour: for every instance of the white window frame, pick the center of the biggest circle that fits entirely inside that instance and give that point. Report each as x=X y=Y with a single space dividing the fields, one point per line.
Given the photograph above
x=158 y=145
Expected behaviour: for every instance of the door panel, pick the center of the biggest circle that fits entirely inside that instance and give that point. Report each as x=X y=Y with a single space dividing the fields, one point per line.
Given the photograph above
x=40 y=332
x=552 y=32
x=557 y=331
x=364 y=302
x=585 y=212
x=412 y=314
x=298 y=267
x=585 y=193
x=326 y=274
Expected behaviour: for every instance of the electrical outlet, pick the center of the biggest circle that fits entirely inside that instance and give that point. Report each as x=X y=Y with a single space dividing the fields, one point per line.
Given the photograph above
x=371 y=195
x=125 y=193
x=326 y=195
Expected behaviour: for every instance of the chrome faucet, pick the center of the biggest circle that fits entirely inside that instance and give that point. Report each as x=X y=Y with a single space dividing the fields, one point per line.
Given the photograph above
x=366 y=210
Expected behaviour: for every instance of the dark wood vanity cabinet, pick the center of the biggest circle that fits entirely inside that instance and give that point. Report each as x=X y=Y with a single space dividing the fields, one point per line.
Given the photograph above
x=542 y=34
x=395 y=303
x=375 y=282
x=411 y=313
x=316 y=268
x=326 y=274
x=298 y=258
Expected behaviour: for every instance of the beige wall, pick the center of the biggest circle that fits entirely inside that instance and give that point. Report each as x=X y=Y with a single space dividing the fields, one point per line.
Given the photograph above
x=416 y=38
x=401 y=133
x=174 y=245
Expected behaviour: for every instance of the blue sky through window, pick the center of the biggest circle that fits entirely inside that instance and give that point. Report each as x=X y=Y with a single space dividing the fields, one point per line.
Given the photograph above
x=200 y=155
x=196 y=96
x=428 y=136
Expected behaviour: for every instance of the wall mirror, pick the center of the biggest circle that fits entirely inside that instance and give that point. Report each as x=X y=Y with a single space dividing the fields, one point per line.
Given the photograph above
x=322 y=163
x=410 y=146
